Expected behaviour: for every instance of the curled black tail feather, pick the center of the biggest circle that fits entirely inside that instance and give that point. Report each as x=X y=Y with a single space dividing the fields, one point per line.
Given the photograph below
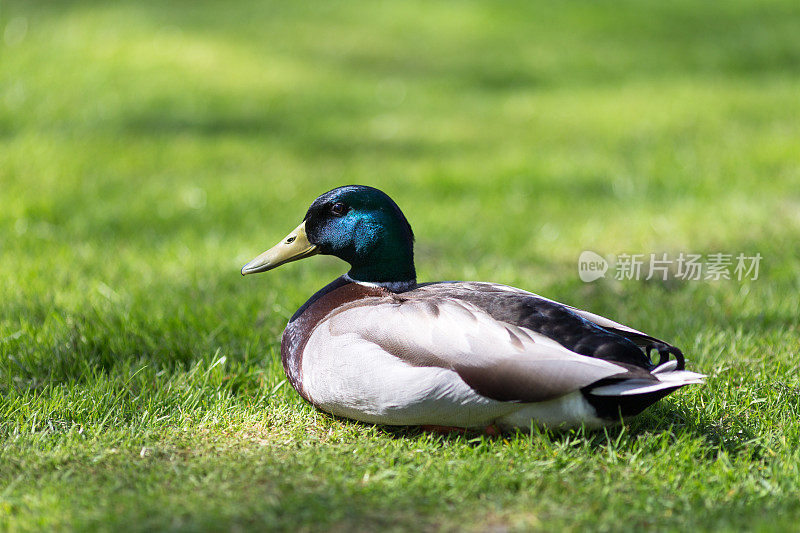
x=664 y=351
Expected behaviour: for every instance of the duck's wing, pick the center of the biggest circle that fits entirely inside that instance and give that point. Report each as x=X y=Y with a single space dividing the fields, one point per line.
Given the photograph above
x=496 y=290
x=497 y=359
x=641 y=339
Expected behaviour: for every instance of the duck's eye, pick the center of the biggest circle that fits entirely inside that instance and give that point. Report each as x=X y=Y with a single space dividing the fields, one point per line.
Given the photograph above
x=338 y=209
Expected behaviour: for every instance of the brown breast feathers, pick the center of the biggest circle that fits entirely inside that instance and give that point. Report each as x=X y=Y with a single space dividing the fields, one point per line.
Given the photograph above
x=319 y=306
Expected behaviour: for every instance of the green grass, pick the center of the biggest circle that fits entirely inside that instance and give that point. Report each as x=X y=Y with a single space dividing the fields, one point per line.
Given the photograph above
x=148 y=149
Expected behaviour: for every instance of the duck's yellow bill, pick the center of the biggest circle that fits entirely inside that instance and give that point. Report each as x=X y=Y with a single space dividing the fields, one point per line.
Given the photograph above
x=293 y=247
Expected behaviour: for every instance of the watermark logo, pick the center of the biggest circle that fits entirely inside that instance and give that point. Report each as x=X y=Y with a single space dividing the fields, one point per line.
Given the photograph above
x=684 y=266
x=591 y=266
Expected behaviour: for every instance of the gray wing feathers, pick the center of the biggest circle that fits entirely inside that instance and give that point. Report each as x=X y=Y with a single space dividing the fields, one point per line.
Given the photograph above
x=640 y=338
x=498 y=360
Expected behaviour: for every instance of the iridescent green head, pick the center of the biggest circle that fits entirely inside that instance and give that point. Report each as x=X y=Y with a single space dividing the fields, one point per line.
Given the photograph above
x=358 y=224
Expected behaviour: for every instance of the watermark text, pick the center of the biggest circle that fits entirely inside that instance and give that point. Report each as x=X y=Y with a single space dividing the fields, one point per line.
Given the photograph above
x=662 y=266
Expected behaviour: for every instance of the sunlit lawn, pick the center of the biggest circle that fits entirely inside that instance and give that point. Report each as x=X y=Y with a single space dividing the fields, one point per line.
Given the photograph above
x=149 y=149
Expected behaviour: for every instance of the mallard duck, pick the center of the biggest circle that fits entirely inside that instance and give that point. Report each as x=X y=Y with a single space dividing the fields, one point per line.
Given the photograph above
x=376 y=346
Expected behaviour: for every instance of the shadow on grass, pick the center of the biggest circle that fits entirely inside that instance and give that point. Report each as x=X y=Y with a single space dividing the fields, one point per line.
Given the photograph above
x=669 y=421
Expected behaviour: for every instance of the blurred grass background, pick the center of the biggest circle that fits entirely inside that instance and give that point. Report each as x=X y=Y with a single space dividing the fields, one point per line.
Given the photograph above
x=148 y=149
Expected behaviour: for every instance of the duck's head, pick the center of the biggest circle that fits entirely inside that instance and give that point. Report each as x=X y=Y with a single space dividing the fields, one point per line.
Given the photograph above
x=358 y=224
